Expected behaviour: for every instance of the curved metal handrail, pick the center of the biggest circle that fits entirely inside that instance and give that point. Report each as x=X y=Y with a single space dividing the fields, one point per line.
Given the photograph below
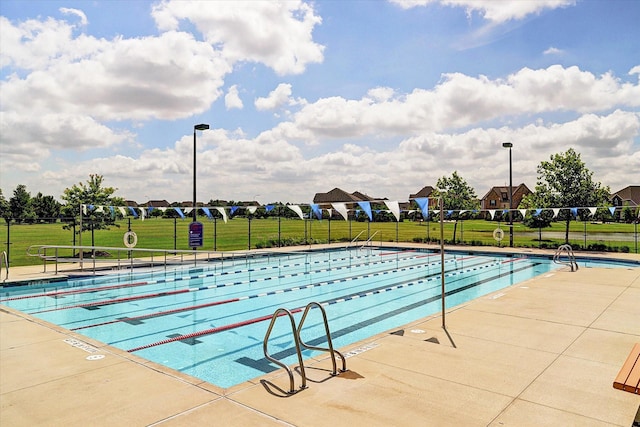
x=368 y=241
x=281 y=312
x=355 y=239
x=326 y=328
x=6 y=264
x=568 y=250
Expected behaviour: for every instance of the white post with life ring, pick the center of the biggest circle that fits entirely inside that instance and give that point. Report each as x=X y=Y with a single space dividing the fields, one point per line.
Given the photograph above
x=498 y=234
x=130 y=239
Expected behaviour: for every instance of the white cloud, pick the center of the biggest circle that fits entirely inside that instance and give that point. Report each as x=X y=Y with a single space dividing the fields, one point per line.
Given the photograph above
x=553 y=51
x=277 y=98
x=80 y=14
x=224 y=171
x=460 y=101
x=492 y=10
x=169 y=76
x=277 y=34
x=232 y=99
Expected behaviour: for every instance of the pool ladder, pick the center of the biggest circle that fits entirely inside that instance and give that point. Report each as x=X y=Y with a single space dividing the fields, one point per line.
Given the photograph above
x=301 y=344
x=4 y=260
x=571 y=259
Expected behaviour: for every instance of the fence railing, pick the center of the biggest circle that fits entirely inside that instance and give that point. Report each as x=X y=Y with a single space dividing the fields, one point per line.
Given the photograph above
x=237 y=234
x=97 y=258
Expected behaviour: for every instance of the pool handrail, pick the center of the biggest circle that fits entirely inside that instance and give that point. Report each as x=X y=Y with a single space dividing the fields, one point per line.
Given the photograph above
x=330 y=349
x=368 y=241
x=355 y=239
x=147 y=257
x=571 y=261
x=4 y=259
x=281 y=312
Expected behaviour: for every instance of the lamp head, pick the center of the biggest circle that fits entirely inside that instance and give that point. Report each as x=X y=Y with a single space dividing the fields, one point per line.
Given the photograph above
x=202 y=126
x=507 y=145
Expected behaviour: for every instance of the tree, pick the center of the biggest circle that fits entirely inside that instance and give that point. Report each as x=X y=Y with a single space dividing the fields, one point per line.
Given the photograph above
x=456 y=195
x=538 y=220
x=565 y=182
x=95 y=198
x=5 y=212
x=46 y=207
x=20 y=205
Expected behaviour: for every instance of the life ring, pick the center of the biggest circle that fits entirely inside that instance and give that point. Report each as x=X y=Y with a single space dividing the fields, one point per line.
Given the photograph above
x=498 y=234
x=130 y=239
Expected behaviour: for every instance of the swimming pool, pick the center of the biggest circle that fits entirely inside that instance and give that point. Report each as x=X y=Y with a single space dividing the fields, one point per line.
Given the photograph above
x=210 y=321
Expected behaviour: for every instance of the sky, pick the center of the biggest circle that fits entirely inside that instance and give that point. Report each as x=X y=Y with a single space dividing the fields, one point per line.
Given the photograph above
x=380 y=97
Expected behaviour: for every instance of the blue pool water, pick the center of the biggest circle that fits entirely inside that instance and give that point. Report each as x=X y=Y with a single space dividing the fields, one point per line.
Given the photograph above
x=210 y=321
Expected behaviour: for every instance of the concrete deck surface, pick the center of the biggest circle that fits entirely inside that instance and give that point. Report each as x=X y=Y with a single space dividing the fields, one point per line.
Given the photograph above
x=544 y=352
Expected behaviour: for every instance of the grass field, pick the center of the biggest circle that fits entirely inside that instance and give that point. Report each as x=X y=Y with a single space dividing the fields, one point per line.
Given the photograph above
x=160 y=233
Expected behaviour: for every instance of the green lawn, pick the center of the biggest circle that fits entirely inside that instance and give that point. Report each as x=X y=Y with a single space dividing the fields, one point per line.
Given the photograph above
x=160 y=233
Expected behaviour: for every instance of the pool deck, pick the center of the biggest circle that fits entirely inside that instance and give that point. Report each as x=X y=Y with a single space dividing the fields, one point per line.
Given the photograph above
x=542 y=352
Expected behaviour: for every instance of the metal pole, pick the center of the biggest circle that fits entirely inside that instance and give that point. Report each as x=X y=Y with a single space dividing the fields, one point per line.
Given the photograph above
x=442 y=260
x=81 y=255
x=215 y=233
x=397 y=226
x=201 y=127
x=9 y=239
x=194 y=176
x=510 y=201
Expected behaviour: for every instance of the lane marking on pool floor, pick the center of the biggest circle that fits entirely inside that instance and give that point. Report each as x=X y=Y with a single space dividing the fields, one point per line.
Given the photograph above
x=330 y=302
x=245 y=297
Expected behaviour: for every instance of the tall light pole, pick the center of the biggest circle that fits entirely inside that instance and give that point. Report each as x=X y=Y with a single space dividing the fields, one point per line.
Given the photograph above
x=202 y=126
x=509 y=146
x=442 y=276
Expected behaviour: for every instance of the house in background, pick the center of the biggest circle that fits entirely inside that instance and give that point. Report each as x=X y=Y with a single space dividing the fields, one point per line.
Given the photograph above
x=338 y=195
x=426 y=191
x=628 y=196
x=498 y=197
x=157 y=204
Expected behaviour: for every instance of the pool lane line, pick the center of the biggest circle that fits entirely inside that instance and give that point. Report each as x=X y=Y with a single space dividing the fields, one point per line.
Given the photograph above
x=270 y=293
x=158 y=314
x=114 y=301
x=203 y=276
x=379 y=318
x=216 y=286
x=76 y=291
x=328 y=302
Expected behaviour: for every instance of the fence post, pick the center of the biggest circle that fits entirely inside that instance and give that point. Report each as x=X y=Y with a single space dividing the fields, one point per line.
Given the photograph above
x=8 y=239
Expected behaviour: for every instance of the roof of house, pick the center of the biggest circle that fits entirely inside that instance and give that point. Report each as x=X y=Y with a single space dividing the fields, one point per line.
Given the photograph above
x=498 y=190
x=425 y=192
x=339 y=195
x=630 y=194
x=157 y=203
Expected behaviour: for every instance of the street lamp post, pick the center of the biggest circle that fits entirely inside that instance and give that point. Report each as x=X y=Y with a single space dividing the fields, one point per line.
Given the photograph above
x=202 y=126
x=509 y=146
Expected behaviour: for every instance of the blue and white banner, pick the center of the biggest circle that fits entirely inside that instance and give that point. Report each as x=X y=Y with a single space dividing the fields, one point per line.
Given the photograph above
x=341 y=208
x=297 y=210
x=394 y=207
x=423 y=204
x=366 y=207
x=179 y=212
x=316 y=210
